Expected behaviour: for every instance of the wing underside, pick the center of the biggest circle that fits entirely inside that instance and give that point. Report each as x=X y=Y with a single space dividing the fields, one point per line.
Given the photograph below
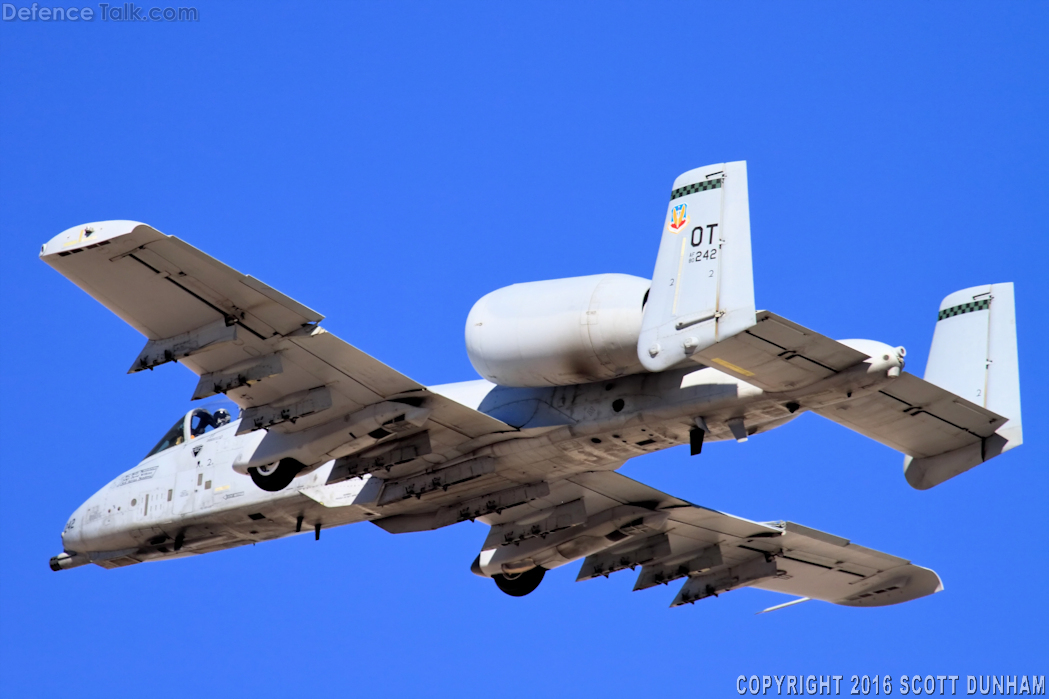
x=620 y=523
x=262 y=349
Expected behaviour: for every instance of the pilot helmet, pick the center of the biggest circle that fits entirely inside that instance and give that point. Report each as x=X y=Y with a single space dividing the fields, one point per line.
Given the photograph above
x=221 y=417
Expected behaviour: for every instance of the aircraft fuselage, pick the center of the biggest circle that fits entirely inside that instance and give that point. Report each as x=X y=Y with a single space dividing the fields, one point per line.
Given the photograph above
x=189 y=499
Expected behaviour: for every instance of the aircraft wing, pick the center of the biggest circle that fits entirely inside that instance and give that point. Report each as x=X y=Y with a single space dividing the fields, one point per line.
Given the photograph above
x=669 y=539
x=264 y=350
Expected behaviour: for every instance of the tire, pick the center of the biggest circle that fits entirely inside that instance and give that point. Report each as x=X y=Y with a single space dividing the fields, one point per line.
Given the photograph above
x=522 y=584
x=279 y=478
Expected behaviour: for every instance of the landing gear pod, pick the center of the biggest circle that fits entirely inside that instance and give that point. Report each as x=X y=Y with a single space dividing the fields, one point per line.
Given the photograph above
x=276 y=477
x=521 y=584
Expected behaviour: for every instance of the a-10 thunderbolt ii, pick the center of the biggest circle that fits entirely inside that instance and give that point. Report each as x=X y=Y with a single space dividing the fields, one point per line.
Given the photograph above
x=580 y=375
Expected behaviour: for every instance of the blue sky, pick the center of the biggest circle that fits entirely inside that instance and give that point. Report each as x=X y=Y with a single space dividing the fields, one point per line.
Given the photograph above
x=389 y=163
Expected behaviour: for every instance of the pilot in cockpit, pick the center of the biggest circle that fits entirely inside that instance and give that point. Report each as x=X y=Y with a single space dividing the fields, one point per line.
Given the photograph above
x=202 y=420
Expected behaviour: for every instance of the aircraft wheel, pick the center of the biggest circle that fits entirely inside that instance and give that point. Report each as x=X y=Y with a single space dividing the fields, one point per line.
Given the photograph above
x=522 y=583
x=275 y=478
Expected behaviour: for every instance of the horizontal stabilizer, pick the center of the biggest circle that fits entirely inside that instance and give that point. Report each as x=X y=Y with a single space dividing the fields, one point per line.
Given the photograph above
x=779 y=355
x=967 y=409
x=916 y=417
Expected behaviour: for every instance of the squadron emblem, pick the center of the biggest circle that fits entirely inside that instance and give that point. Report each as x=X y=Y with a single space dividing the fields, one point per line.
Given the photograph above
x=678 y=217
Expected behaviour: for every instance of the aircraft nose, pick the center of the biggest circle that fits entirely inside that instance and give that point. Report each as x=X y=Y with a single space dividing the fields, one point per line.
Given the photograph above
x=72 y=534
x=72 y=543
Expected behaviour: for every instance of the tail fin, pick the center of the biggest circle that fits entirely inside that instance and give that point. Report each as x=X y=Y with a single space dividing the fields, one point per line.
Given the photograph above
x=703 y=285
x=974 y=356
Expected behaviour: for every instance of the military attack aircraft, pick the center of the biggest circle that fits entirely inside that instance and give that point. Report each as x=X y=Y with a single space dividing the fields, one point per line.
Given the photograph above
x=579 y=375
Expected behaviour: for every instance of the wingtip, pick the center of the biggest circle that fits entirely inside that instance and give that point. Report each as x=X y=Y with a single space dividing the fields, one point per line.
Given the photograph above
x=87 y=235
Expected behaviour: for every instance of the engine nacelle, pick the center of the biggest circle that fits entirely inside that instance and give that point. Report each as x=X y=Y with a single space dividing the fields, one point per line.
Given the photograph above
x=558 y=332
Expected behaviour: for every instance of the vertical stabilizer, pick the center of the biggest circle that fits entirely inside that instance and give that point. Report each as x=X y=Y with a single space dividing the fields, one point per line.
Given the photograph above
x=974 y=356
x=703 y=285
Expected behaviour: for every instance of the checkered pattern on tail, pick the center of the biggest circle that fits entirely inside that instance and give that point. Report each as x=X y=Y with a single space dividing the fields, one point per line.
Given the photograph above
x=693 y=188
x=981 y=305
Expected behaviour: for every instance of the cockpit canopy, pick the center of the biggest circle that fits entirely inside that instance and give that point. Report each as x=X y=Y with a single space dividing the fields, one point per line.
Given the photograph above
x=195 y=423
